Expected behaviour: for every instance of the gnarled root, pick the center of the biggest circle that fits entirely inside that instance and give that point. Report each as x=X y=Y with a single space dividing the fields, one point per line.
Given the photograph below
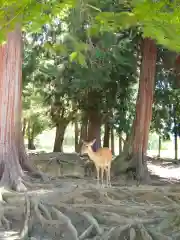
x=85 y=212
x=62 y=221
x=24 y=231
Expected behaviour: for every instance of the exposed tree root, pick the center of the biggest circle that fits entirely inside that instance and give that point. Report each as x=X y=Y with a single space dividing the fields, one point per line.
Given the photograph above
x=91 y=213
x=93 y=221
x=67 y=221
x=61 y=220
x=86 y=233
x=24 y=231
x=144 y=233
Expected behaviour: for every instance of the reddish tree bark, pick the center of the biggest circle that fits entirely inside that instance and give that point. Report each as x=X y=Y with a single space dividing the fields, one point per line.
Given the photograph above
x=13 y=158
x=144 y=105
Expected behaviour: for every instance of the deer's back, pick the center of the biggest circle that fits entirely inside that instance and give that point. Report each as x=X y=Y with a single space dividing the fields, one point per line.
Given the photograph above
x=103 y=156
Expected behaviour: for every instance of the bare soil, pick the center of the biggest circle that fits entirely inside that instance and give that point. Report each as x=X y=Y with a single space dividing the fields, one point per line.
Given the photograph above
x=71 y=208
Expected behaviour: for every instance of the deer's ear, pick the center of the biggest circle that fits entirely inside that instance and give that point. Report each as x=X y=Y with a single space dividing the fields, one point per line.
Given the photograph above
x=93 y=141
x=83 y=142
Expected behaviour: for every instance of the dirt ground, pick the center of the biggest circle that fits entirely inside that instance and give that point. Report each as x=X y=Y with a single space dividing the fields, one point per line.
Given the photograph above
x=72 y=208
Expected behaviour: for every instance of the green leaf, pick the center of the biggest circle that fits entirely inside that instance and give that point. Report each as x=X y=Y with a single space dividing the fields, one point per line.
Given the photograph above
x=81 y=59
x=121 y=20
x=73 y=56
x=60 y=48
x=93 y=30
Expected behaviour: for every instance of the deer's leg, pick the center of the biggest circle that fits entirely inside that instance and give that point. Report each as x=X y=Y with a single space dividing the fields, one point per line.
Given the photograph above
x=102 y=176
x=109 y=174
x=108 y=177
x=97 y=169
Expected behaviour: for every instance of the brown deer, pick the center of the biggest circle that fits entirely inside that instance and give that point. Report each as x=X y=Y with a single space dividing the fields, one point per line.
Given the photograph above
x=102 y=159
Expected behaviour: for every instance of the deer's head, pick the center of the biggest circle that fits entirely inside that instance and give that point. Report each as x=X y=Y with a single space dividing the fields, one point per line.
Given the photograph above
x=86 y=147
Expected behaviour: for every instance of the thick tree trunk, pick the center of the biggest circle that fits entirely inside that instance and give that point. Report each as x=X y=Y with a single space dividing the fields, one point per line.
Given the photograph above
x=112 y=141
x=106 y=135
x=83 y=132
x=59 y=138
x=94 y=117
x=12 y=150
x=94 y=128
x=144 y=107
x=159 y=147
x=76 y=136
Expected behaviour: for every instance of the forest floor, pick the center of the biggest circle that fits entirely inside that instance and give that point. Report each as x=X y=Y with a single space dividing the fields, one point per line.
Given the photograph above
x=76 y=209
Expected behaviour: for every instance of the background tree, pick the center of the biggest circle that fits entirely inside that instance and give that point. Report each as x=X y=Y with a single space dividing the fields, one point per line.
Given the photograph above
x=138 y=14
x=90 y=50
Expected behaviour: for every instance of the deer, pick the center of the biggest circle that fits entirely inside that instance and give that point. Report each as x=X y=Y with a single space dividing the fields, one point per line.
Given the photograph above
x=102 y=159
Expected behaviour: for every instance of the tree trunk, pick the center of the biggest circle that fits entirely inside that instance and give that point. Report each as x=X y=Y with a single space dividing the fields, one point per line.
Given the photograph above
x=12 y=150
x=94 y=117
x=159 y=147
x=144 y=107
x=31 y=145
x=106 y=135
x=120 y=144
x=24 y=126
x=175 y=138
x=83 y=132
x=177 y=71
x=60 y=131
x=112 y=141
x=94 y=129
x=76 y=137
x=175 y=146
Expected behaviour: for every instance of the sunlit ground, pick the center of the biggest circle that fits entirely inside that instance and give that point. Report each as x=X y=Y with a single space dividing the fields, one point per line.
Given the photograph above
x=170 y=172
x=45 y=141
